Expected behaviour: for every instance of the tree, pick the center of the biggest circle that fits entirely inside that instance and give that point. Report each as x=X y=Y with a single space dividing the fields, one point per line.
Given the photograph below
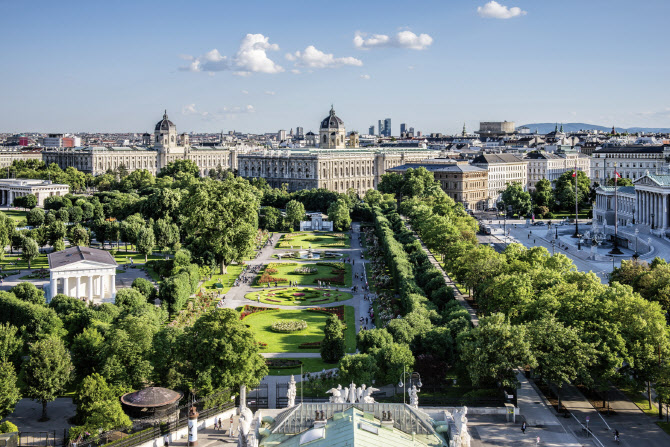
x=98 y=405
x=493 y=350
x=35 y=217
x=145 y=241
x=357 y=368
x=564 y=190
x=29 y=250
x=57 y=232
x=221 y=218
x=338 y=213
x=166 y=232
x=78 y=235
x=10 y=343
x=515 y=197
x=228 y=359
x=47 y=371
x=145 y=287
x=373 y=340
x=392 y=362
x=129 y=299
x=295 y=212
x=620 y=182
x=332 y=345
x=9 y=390
x=174 y=168
x=392 y=183
x=271 y=218
x=88 y=353
x=131 y=227
x=561 y=355
x=543 y=194
x=7 y=227
x=28 y=292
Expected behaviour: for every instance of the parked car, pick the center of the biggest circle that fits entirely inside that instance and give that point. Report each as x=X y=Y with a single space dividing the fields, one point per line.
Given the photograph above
x=539 y=223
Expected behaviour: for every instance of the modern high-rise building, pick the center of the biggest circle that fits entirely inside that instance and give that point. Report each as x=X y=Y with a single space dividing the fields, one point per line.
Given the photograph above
x=371 y=130
x=403 y=128
x=299 y=132
x=281 y=135
x=384 y=127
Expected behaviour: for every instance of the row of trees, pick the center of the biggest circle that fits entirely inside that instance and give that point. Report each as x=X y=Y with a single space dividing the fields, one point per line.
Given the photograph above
x=537 y=310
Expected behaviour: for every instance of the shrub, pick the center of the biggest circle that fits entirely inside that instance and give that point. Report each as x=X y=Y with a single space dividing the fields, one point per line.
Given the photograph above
x=265 y=278
x=283 y=363
x=310 y=345
x=286 y=326
x=8 y=427
x=248 y=310
x=337 y=311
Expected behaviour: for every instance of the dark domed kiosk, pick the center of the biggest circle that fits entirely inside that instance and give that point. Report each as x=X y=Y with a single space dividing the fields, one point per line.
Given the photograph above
x=151 y=402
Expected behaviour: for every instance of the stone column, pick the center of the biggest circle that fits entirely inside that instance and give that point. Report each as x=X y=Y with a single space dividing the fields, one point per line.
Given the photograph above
x=90 y=288
x=112 y=285
x=101 y=286
x=53 y=288
x=77 y=281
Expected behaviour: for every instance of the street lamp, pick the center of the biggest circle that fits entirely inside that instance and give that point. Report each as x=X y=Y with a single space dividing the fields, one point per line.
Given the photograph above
x=553 y=244
x=652 y=221
x=637 y=232
x=401 y=383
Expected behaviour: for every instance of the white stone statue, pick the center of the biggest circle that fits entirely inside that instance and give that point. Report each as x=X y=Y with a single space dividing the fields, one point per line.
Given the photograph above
x=352 y=393
x=414 y=397
x=461 y=421
x=345 y=395
x=291 y=392
x=336 y=397
x=367 y=395
x=359 y=393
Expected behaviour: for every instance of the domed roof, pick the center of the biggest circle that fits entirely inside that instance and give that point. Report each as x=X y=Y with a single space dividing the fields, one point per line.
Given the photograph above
x=332 y=121
x=151 y=397
x=165 y=123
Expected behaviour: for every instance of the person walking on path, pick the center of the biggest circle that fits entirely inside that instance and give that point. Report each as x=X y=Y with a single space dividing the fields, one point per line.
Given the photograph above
x=232 y=433
x=523 y=427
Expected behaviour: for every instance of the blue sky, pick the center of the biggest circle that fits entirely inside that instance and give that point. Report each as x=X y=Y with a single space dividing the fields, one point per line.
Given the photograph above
x=260 y=66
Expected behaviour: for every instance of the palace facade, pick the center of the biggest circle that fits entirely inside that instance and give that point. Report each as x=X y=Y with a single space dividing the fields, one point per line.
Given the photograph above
x=331 y=166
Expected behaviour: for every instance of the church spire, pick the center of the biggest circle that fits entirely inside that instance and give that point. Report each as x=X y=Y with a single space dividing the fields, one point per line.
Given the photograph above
x=561 y=127
x=165 y=115
x=464 y=132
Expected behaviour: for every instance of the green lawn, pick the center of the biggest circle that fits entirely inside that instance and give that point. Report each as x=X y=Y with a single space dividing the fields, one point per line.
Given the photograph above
x=121 y=257
x=226 y=280
x=11 y=263
x=286 y=270
x=303 y=240
x=261 y=322
x=308 y=365
x=295 y=253
x=309 y=297
x=17 y=215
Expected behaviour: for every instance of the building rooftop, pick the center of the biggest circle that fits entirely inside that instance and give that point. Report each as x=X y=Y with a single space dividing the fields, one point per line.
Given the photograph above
x=151 y=397
x=620 y=189
x=661 y=179
x=639 y=149
x=497 y=158
x=75 y=254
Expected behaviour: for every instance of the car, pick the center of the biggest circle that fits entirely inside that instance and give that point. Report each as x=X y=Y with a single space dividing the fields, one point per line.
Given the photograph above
x=494 y=209
x=539 y=223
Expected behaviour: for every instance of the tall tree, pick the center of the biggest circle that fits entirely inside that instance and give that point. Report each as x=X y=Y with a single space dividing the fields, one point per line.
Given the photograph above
x=221 y=218
x=295 y=212
x=47 y=371
x=145 y=242
x=564 y=190
x=515 y=197
x=332 y=345
x=338 y=213
x=9 y=389
x=29 y=250
x=228 y=358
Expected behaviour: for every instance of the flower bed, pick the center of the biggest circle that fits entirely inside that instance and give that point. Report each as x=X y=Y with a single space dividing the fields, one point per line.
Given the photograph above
x=337 y=310
x=262 y=345
x=265 y=278
x=304 y=270
x=248 y=310
x=283 y=363
x=310 y=345
x=271 y=271
x=285 y=326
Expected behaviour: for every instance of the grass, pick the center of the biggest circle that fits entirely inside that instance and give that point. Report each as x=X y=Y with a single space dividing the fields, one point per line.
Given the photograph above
x=121 y=257
x=286 y=297
x=40 y=262
x=286 y=270
x=261 y=322
x=303 y=240
x=308 y=365
x=15 y=214
x=227 y=280
x=295 y=252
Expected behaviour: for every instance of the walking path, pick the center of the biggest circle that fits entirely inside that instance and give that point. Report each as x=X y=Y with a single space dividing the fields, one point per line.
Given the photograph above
x=450 y=283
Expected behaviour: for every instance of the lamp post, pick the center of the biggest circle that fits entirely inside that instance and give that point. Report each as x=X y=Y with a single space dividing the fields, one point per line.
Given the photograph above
x=401 y=383
x=636 y=254
x=576 y=235
x=652 y=221
x=553 y=244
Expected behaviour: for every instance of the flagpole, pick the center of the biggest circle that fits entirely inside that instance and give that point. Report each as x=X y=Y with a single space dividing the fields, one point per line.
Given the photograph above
x=576 y=204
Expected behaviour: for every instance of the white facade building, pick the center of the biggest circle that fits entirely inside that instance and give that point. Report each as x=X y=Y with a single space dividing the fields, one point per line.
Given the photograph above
x=543 y=165
x=504 y=169
x=13 y=188
x=83 y=273
x=632 y=162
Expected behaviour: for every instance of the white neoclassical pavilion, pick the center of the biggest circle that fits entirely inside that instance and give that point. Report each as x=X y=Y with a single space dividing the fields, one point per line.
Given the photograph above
x=82 y=272
x=10 y=189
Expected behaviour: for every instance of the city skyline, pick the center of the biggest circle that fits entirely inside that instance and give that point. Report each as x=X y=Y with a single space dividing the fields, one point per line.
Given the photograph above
x=220 y=66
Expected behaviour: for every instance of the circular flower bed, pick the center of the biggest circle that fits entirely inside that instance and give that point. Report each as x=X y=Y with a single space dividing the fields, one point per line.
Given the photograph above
x=289 y=325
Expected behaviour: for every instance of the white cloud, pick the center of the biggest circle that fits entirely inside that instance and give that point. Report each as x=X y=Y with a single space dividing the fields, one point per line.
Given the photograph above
x=250 y=58
x=403 y=39
x=410 y=67
x=365 y=76
x=245 y=92
x=494 y=10
x=190 y=109
x=295 y=71
x=270 y=93
x=314 y=58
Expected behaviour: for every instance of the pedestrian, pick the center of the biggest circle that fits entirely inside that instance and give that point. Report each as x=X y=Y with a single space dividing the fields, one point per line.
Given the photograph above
x=523 y=427
x=231 y=426
x=166 y=441
x=533 y=241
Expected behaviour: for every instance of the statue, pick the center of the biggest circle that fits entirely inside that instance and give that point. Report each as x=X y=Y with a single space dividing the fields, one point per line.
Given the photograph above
x=414 y=397
x=336 y=398
x=345 y=395
x=291 y=392
x=359 y=393
x=367 y=395
x=461 y=422
x=352 y=393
